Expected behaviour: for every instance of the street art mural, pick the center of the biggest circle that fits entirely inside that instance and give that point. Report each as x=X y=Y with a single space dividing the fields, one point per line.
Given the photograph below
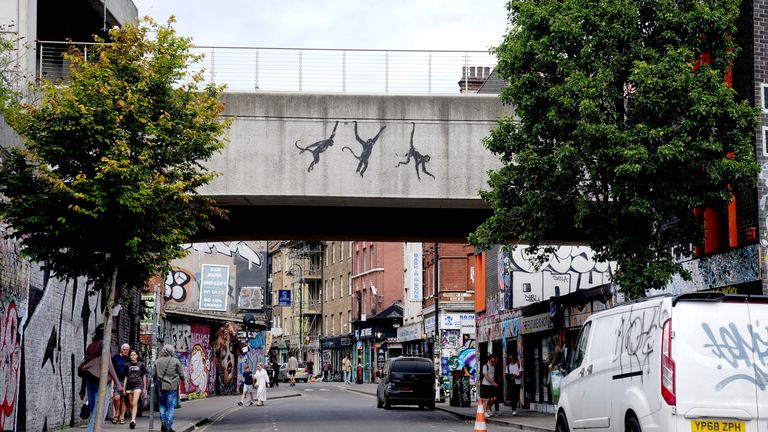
x=226 y=358
x=732 y=267
x=420 y=160
x=362 y=160
x=317 y=148
x=182 y=283
x=569 y=268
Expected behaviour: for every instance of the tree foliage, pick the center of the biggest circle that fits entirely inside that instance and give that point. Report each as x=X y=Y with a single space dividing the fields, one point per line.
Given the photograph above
x=623 y=126
x=105 y=186
x=113 y=158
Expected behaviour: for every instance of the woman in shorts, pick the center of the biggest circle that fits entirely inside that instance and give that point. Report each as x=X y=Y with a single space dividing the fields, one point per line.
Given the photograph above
x=135 y=384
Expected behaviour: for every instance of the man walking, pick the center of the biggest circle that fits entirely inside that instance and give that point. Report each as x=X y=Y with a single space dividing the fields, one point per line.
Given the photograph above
x=293 y=364
x=490 y=387
x=169 y=372
x=514 y=380
x=247 y=385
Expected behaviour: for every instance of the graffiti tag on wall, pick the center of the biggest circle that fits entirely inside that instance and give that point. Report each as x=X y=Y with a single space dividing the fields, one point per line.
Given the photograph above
x=10 y=362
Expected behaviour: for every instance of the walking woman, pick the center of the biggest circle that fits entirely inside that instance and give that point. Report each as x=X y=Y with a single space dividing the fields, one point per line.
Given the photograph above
x=260 y=379
x=92 y=365
x=135 y=384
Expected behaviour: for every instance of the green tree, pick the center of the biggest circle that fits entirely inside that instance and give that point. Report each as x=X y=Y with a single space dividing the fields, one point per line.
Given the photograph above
x=622 y=127
x=105 y=186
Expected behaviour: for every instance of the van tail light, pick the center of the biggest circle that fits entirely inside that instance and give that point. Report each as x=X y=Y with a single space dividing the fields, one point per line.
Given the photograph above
x=667 y=365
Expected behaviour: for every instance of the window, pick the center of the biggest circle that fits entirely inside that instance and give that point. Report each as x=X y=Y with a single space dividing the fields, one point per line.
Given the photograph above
x=350 y=250
x=358 y=267
x=341 y=286
x=764 y=97
x=326 y=325
x=765 y=140
x=333 y=289
x=341 y=255
x=333 y=252
x=365 y=259
x=333 y=324
x=373 y=256
x=349 y=283
x=325 y=294
x=581 y=347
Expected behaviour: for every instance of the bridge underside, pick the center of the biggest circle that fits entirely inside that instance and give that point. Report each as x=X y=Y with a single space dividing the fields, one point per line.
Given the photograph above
x=291 y=222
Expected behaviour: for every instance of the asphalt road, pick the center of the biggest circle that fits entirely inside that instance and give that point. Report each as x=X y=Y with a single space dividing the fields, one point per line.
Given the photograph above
x=328 y=408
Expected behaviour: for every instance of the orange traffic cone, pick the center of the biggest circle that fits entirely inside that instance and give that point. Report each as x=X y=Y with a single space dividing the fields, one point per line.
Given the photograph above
x=480 y=418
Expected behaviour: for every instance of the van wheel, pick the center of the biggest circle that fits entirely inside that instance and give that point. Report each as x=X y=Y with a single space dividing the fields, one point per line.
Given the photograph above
x=632 y=425
x=562 y=424
x=431 y=406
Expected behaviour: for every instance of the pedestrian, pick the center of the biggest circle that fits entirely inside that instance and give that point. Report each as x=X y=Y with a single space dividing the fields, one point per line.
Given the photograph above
x=135 y=384
x=346 y=368
x=275 y=372
x=310 y=370
x=327 y=371
x=247 y=385
x=293 y=364
x=261 y=379
x=359 y=370
x=92 y=372
x=490 y=386
x=514 y=380
x=169 y=372
x=120 y=364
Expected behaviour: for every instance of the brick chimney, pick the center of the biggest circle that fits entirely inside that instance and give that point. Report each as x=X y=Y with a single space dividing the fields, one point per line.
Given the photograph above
x=472 y=78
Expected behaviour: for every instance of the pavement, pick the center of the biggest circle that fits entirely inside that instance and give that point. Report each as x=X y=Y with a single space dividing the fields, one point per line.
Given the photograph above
x=527 y=420
x=195 y=413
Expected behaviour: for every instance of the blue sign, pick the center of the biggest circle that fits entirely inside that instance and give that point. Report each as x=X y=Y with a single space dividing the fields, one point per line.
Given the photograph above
x=284 y=298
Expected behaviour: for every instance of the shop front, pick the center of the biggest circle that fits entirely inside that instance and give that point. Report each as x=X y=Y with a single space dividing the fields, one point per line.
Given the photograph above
x=411 y=337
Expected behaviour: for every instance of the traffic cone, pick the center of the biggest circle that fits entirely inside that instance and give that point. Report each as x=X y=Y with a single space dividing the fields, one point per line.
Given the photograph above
x=480 y=418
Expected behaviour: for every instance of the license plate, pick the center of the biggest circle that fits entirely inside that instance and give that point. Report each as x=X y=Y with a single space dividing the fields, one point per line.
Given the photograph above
x=405 y=387
x=717 y=425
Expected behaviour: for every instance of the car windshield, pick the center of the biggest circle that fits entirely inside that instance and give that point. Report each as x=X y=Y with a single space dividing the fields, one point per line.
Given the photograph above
x=417 y=366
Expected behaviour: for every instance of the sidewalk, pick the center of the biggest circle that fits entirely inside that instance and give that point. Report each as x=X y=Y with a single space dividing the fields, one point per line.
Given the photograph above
x=197 y=412
x=525 y=420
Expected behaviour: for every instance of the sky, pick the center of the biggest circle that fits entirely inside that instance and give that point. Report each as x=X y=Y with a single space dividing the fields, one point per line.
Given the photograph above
x=349 y=24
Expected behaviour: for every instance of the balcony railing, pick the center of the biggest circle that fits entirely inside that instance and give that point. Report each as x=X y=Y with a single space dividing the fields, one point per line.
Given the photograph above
x=411 y=72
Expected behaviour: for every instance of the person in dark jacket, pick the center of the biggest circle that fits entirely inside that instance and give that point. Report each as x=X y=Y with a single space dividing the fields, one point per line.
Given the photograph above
x=169 y=372
x=91 y=381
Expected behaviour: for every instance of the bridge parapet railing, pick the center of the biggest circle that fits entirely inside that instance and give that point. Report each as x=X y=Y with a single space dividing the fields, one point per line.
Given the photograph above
x=314 y=70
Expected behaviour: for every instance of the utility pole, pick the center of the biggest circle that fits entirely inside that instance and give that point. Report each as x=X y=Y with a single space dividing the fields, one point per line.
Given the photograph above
x=438 y=346
x=154 y=358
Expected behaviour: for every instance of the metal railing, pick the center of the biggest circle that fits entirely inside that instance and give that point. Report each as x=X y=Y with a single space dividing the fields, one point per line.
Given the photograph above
x=318 y=70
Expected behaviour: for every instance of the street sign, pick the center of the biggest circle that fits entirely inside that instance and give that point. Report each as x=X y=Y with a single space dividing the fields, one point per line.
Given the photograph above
x=284 y=298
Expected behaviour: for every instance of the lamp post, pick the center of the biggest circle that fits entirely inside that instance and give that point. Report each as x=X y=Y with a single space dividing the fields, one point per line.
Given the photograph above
x=301 y=306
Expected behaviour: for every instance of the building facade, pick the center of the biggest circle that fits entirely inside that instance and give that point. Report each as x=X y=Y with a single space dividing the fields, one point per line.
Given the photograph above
x=337 y=336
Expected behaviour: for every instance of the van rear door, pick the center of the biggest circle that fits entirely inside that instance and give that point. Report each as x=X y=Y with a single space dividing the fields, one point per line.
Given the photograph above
x=715 y=346
x=758 y=315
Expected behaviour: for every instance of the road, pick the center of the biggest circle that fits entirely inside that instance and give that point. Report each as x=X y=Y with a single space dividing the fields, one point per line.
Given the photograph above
x=331 y=408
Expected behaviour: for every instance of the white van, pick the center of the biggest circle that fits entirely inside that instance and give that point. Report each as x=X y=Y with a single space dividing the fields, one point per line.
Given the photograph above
x=695 y=362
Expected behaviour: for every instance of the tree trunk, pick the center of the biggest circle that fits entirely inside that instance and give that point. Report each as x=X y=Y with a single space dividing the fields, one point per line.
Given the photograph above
x=106 y=357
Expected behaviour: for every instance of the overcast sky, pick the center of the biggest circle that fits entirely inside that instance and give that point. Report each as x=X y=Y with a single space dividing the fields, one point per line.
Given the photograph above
x=374 y=24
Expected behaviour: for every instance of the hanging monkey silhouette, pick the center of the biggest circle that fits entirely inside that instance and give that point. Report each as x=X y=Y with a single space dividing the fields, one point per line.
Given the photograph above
x=419 y=160
x=317 y=147
x=362 y=160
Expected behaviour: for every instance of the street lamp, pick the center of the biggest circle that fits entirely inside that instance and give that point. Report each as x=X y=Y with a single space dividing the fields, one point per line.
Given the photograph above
x=301 y=305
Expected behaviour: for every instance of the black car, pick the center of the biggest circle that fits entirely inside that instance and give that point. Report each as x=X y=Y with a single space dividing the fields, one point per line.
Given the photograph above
x=407 y=381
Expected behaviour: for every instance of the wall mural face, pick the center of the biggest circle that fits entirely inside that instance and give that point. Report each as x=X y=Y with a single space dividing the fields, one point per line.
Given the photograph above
x=419 y=160
x=226 y=358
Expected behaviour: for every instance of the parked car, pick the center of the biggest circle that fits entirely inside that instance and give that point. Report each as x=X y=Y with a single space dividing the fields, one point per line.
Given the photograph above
x=301 y=373
x=695 y=362
x=406 y=381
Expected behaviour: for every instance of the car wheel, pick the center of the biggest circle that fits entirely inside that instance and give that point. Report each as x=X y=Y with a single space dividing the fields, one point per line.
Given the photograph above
x=562 y=424
x=632 y=425
x=431 y=406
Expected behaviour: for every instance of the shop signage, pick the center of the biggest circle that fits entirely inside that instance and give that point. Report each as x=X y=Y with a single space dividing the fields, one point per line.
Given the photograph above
x=535 y=323
x=409 y=332
x=214 y=287
x=416 y=293
x=284 y=298
x=314 y=344
x=429 y=324
x=456 y=321
x=366 y=332
x=346 y=342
